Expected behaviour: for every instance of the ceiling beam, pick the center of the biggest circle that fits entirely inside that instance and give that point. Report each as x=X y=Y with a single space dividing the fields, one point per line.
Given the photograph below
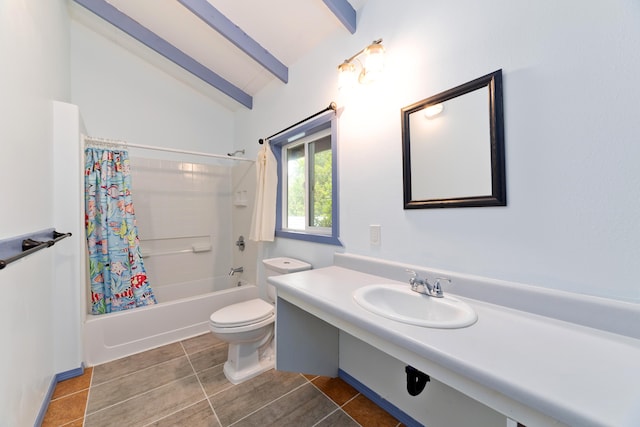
x=166 y=49
x=216 y=20
x=344 y=12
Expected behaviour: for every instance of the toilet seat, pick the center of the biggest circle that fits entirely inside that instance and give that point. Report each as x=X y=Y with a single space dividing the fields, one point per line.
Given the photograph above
x=242 y=314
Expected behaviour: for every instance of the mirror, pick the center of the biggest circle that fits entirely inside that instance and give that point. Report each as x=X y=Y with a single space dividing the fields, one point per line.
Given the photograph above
x=453 y=147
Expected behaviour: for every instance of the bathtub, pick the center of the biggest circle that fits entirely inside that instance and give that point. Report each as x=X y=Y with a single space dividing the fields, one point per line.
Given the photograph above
x=111 y=336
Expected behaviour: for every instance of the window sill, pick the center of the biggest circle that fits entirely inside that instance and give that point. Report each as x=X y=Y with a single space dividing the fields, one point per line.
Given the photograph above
x=316 y=238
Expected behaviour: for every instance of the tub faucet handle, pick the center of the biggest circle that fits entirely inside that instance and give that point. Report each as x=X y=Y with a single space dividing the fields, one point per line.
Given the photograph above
x=236 y=270
x=240 y=243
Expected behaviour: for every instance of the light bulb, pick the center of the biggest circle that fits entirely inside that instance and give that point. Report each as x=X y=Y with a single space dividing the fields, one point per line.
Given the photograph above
x=433 y=110
x=373 y=63
x=346 y=75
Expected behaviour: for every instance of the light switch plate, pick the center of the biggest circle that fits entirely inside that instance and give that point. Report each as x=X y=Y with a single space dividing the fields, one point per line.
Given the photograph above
x=374 y=234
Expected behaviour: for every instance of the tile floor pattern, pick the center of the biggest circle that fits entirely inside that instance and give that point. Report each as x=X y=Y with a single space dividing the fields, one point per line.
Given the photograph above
x=182 y=384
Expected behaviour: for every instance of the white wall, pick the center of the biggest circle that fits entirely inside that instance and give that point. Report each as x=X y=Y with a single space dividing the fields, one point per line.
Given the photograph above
x=124 y=96
x=35 y=56
x=570 y=97
x=68 y=217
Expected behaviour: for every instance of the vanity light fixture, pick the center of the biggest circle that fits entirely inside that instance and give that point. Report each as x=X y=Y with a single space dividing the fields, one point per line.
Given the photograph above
x=433 y=110
x=370 y=68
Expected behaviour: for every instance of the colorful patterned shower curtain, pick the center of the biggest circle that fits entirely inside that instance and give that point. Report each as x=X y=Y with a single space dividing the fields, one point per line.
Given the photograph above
x=118 y=278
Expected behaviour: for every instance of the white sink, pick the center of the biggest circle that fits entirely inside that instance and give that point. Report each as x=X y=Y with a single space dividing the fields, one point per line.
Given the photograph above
x=400 y=303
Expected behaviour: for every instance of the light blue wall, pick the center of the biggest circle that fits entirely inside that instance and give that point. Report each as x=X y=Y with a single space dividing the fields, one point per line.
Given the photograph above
x=570 y=95
x=571 y=91
x=34 y=48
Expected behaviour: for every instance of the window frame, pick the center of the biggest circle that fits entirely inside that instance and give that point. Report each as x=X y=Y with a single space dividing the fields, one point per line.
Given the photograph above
x=278 y=145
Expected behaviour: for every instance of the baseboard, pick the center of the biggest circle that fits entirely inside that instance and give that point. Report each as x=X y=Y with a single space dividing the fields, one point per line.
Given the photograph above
x=70 y=374
x=52 y=386
x=398 y=413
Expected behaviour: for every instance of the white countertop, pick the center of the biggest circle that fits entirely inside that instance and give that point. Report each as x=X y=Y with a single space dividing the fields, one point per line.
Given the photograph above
x=577 y=375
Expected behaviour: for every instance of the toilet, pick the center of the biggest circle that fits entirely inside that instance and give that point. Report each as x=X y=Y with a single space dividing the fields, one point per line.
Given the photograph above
x=248 y=326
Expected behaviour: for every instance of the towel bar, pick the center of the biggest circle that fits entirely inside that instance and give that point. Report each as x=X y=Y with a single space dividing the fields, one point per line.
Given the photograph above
x=28 y=246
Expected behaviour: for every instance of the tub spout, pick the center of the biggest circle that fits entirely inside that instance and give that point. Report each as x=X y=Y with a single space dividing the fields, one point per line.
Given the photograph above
x=236 y=270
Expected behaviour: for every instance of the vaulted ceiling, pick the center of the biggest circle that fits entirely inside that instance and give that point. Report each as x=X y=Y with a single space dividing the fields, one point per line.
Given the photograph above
x=235 y=46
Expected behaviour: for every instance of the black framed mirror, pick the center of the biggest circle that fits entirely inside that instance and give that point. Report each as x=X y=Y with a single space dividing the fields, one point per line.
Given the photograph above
x=453 y=147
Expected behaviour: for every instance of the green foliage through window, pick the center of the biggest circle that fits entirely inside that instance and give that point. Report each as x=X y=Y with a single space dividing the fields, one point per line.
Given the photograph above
x=308 y=182
x=309 y=198
x=321 y=183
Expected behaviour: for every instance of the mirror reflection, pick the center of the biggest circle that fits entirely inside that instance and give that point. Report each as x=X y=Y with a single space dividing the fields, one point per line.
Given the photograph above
x=453 y=147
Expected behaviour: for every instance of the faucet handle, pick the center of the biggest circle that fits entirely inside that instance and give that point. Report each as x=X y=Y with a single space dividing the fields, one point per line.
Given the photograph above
x=437 y=288
x=413 y=276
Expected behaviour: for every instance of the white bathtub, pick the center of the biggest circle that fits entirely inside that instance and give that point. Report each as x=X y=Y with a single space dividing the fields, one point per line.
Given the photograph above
x=114 y=335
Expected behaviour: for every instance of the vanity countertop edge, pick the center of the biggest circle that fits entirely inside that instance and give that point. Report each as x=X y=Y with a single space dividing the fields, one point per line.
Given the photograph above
x=575 y=374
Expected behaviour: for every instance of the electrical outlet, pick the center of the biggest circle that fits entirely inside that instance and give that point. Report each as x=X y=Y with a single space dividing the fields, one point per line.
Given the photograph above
x=374 y=234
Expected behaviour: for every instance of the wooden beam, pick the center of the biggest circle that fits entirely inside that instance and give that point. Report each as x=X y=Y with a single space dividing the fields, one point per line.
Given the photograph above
x=344 y=12
x=216 y=20
x=166 y=49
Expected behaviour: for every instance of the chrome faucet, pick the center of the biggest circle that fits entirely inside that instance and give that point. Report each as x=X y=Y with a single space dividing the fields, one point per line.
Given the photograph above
x=236 y=270
x=422 y=286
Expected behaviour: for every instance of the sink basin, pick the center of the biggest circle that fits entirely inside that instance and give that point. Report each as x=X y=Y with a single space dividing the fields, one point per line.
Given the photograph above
x=400 y=303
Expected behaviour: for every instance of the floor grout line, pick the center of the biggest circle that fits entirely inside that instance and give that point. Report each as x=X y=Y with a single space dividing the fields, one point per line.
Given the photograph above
x=134 y=372
x=68 y=395
x=327 y=416
x=221 y=390
x=329 y=397
x=140 y=394
x=201 y=386
x=194 y=373
x=72 y=421
x=267 y=404
x=345 y=403
x=173 y=413
x=86 y=403
x=338 y=407
x=183 y=349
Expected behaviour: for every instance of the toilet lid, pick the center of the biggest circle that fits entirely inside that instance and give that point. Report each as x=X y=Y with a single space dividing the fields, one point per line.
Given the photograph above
x=242 y=313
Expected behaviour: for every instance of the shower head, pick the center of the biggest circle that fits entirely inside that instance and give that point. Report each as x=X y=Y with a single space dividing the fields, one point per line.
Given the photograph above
x=235 y=152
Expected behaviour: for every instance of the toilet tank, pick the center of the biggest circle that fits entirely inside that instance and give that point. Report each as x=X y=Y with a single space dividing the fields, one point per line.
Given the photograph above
x=281 y=265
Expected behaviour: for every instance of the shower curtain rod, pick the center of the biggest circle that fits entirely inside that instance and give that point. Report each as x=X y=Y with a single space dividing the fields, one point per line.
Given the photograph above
x=170 y=150
x=331 y=107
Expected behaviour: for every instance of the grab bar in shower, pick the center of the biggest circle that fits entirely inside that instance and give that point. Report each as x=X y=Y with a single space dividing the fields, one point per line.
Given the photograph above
x=195 y=248
x=21 y=246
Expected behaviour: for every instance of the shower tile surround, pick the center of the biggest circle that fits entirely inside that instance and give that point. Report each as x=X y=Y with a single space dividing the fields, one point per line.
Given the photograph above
x=180 y=383
x=180 y=205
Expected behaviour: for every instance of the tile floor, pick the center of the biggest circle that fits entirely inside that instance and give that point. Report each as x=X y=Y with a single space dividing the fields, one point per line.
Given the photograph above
x=182 y=384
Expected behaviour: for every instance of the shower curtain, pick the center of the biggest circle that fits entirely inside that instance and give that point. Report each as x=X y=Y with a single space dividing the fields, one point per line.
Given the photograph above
x=117 y=274
x=263 y=223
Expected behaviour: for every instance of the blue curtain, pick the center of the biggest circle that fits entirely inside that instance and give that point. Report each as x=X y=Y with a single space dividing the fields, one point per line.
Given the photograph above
x=118 y=278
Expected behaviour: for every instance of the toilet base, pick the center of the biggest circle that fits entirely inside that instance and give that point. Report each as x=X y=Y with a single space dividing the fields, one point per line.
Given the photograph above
x=236 y=377
x=241 y=367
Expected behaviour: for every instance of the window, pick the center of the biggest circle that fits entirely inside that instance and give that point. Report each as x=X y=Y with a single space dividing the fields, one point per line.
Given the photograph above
x=307 y=201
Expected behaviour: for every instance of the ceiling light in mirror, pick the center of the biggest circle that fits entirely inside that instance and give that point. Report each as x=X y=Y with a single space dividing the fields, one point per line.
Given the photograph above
x=433 y=110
